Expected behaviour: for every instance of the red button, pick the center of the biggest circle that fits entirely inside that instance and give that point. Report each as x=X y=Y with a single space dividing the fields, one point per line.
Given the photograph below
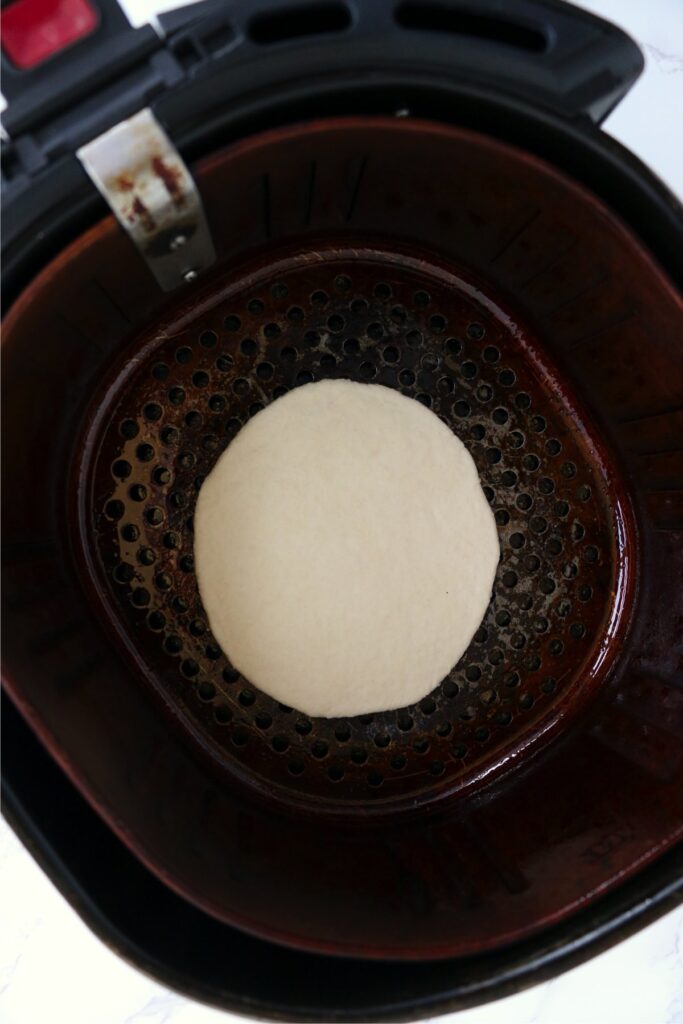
x=33 y=30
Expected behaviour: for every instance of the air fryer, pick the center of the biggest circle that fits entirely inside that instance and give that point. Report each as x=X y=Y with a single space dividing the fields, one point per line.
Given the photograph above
x=412 y=194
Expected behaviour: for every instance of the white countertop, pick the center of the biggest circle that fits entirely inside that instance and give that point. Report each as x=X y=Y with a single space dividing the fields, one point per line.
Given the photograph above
x=54 y=971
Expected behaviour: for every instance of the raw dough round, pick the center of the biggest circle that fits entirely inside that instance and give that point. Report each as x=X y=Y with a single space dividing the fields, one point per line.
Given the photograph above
x=345 y=551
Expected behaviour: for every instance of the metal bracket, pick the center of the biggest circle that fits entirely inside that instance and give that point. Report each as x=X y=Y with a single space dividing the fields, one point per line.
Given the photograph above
x=153 y=196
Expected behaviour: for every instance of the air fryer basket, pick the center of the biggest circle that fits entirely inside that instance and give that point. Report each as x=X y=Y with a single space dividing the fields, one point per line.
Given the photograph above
x=485 y=283
x=563 y=584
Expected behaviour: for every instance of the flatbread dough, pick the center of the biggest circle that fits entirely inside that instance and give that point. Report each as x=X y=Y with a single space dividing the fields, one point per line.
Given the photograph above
x=345 y=551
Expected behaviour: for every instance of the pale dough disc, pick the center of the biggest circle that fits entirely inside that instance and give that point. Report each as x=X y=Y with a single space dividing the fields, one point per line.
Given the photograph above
x=345 y=551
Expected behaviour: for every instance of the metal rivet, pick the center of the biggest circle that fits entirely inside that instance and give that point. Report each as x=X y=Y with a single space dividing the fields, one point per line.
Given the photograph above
x=190 y=275
x=178 y=242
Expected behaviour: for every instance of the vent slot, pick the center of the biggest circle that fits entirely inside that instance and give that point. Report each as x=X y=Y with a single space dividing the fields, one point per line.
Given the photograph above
x=431 y=17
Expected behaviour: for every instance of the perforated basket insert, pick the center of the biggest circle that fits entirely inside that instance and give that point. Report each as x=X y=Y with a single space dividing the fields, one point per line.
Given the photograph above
x=394 y=320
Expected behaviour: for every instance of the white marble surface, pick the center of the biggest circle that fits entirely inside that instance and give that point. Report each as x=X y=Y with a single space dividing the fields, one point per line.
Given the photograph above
x=54 y=971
